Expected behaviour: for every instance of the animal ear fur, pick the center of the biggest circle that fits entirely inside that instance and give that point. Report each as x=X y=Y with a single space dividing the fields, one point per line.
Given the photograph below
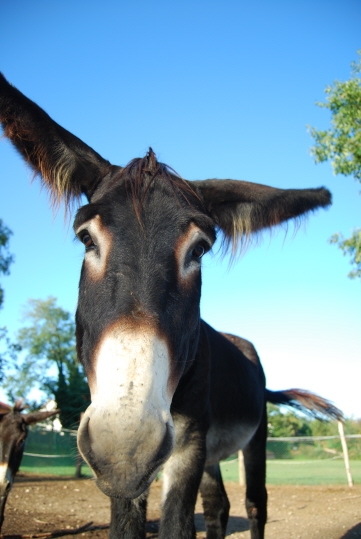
x=241 y=208
x=35 y=417
x=67 y=165
x=5 y=408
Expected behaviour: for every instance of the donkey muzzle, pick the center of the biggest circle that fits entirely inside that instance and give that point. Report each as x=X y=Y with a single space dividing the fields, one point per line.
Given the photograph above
x=125 y=457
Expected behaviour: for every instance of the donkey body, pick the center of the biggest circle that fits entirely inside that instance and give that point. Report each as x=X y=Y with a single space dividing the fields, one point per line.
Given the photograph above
x=155 y=370
x=13 y=432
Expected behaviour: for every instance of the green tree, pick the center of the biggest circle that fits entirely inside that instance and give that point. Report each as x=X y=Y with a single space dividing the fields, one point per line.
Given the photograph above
x=8 y=349
x=5 y=257
x=286 y=424
x=50 y=364
x=341 y=144
x=8 y=352
x=330 y=428
x=324 y=428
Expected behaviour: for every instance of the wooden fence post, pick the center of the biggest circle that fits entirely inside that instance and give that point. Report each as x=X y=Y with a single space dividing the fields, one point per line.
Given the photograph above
x=241 y=472
x=345 y=453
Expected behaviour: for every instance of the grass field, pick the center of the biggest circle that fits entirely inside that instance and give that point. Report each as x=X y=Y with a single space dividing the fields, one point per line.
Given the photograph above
x=56 y=470
x=300 y=472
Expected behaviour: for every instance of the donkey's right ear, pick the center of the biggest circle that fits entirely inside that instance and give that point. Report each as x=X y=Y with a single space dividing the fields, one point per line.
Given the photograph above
x=67 y=165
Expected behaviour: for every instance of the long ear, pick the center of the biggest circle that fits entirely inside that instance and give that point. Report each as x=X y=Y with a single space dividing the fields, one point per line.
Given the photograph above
x=241 y=208
x=67 y=165
x=35 y=417
x=5 y=408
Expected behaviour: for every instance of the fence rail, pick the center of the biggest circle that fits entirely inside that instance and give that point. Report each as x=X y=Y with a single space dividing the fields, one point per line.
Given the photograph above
x=293 y=460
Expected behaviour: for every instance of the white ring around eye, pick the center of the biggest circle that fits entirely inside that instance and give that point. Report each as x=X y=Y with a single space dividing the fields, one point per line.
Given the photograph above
x=95 y=260
x=186 y=265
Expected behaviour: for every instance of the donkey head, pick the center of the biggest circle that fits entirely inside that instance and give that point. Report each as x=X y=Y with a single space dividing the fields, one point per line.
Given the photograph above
x=145 y=230
x=13 y=433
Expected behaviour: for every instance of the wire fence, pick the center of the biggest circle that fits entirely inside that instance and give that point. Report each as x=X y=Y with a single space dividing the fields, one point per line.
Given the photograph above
x=313 y=447
x=297 y=460
x=46 y=449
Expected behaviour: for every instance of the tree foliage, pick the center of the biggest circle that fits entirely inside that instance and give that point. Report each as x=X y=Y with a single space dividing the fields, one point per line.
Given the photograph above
x=8 y=349
x=290 y=425
x=341 y=144
x=8 y=352
x=5 y=257
x=50 y=364
x=351 y=247
x=286 y=424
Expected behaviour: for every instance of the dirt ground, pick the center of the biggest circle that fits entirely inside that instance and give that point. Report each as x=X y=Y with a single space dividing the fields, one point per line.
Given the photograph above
x=37 y=506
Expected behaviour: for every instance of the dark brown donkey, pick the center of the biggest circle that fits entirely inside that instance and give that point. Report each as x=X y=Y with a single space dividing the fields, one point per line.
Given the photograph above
x=13 y=433
x=166 y=388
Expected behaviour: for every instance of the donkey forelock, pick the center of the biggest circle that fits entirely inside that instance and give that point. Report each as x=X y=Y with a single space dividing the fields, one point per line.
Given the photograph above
x=138 y=177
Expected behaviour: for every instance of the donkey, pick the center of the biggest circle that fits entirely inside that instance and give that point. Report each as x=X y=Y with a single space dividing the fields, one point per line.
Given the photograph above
x=154 y=368
x=13 y=432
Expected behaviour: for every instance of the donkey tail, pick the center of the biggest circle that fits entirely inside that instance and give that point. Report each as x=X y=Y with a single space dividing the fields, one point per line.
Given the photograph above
x=306 y=402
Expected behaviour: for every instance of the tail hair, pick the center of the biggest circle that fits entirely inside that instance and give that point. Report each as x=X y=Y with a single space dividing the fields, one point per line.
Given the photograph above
x=309 y=403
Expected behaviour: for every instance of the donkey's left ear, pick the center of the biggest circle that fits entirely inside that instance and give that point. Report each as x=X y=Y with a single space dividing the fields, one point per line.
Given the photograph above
x=67 y=165
x=241 y=208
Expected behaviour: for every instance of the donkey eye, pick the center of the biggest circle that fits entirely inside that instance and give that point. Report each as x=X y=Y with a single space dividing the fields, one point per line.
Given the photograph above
x=87 y=240
x=198 y=251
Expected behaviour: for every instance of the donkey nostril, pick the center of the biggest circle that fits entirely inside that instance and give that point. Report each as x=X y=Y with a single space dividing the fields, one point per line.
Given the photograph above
x=83 y=437
x=84 y=444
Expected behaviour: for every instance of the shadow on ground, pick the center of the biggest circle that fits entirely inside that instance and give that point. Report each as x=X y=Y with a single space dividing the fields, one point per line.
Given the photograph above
x=353 y=533
x=235 y=524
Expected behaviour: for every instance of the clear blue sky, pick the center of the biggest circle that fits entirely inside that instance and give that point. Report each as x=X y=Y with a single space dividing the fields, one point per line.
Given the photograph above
x=219 y=89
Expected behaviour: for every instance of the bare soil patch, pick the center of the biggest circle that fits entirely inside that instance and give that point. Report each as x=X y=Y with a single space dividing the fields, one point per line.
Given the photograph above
x=37 y=505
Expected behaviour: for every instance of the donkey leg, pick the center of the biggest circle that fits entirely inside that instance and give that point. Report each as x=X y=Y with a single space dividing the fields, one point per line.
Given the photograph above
x=215 y=502
x=182 y=475
x=255 y=467
x=128 y=518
